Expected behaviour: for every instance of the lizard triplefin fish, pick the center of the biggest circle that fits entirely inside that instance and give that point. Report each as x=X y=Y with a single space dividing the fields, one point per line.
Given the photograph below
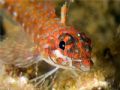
x=44 y=37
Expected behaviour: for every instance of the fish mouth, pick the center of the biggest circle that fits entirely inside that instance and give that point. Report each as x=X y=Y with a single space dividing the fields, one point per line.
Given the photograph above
x=86 y=64
x=80 y=65
x=85 y=68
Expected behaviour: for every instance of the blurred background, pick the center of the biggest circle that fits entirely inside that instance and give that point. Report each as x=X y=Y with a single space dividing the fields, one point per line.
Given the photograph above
x=100 y=20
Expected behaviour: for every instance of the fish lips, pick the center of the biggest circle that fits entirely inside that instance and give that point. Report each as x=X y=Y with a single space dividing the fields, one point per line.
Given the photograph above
x=84 y=67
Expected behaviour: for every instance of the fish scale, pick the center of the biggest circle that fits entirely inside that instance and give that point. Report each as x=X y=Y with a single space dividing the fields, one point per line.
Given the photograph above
x=40 y=38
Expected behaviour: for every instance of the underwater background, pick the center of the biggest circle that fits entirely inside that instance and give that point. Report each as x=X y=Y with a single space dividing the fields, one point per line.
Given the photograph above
x=100 y=20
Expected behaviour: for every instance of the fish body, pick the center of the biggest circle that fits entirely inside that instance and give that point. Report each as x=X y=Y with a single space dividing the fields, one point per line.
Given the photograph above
x=46 y=37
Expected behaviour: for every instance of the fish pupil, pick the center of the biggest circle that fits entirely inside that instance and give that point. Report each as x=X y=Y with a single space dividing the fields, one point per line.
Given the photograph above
x=62 y=45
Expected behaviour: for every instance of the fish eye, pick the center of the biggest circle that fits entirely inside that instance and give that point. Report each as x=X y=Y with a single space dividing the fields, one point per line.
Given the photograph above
x=62 y=45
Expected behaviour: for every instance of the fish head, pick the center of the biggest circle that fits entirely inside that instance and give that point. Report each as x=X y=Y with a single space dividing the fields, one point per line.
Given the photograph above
x=72 y=48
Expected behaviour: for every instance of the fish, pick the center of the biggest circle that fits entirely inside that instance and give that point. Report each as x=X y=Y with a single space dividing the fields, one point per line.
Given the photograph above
x=43 y=37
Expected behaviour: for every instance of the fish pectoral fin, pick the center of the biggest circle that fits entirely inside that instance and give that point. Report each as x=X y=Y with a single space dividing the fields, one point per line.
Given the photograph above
x=17 y=48
x=18 y=55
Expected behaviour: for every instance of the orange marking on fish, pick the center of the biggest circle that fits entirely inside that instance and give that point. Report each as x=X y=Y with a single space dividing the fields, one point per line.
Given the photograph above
x=47 y=32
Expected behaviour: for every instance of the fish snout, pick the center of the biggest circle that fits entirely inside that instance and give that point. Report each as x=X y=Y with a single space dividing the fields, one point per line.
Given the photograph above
x=86 y=65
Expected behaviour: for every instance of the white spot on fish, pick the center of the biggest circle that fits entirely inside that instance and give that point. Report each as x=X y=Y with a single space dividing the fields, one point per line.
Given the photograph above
x=15 y=14
x=46 y=46
x=76 y=51
x=23 y=25
x=38 y=36
x=59 y=54
x=78 y=34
